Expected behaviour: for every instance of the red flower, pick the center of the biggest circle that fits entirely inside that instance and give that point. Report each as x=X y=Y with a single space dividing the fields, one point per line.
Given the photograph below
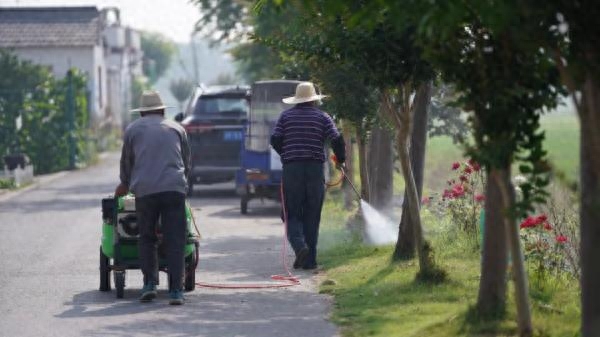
x=458 y=191
x=479 y=197
x=463 y=178
x=468 y=170
x=547 y=226
x=455 y=166
x=530 y=222
x=541 y=219
x=561 y=239
x=425 y=200
x=475 y=165
x=447 y=194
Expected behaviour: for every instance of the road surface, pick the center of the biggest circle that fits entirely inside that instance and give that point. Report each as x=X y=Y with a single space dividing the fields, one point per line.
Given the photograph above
x=49 y=241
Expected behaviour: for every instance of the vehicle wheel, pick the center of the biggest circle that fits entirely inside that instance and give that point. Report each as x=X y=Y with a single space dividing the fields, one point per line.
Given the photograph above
x=120 y=283
x=104 y=272
x=190 y=270
x=190 y=280
x=244 y=205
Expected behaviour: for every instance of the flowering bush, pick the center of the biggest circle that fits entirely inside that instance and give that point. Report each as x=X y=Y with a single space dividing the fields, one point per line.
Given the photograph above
x=546 y=248
x=463 y=199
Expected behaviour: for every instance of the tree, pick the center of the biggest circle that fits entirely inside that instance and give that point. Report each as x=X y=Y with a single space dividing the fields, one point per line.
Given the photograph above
x=158 y=52
x=505 y=85
x=569 y=31
x=380 y=159
x=181 y=90
x=19 y=78
x=405 y=244
x=235 y=21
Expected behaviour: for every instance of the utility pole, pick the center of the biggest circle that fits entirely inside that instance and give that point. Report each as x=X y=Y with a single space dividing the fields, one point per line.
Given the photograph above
x=71 y=119
x=194 y=56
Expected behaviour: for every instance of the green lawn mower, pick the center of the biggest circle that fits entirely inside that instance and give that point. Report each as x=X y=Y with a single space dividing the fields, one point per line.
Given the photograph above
x=120 y=235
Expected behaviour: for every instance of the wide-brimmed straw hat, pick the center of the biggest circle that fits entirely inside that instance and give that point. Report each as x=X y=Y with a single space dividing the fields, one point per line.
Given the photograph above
x=305 y=92
x=149 y=101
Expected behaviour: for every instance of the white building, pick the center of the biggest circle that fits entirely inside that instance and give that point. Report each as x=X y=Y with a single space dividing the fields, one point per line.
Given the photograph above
x=80 y=37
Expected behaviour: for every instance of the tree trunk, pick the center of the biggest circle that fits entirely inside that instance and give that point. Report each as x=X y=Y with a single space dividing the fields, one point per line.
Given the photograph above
x=381 y=168
x=413 y=204
x=362 y=164
x=589 y=114
x=492 y=284
x=520 y=275
x=405 y=245
x=349 y=195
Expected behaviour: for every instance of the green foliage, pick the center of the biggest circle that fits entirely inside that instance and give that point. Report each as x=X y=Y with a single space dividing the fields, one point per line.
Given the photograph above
x=7 y=184
x=223 y=20
x=158 y=52
x=31 y=91
x=18 y=79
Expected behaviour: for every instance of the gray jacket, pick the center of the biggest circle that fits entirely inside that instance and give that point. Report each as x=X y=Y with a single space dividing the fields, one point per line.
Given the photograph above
x=155 y=156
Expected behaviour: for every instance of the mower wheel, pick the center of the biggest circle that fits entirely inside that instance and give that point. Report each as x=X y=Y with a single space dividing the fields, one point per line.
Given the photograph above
x=120 y=282
x=190 y=280
x=190 y=269
x=244 y=205
x=104 y=272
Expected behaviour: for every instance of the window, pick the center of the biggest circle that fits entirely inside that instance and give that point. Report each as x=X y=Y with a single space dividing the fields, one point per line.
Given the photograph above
x=218 y=105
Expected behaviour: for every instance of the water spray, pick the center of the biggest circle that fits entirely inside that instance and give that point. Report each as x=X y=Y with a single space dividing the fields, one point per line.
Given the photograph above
x=379 y=228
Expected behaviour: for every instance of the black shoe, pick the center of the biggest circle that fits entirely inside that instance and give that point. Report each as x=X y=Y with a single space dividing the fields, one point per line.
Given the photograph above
x=301 y=257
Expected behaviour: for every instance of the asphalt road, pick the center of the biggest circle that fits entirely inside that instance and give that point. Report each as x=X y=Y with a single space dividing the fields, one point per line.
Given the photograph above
x=49 y=241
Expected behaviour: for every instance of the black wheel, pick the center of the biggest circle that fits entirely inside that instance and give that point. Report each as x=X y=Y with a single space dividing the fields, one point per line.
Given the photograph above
x=190 y=270
x=244 y=205
x=104 y=272
x=190 y=280
x=120 y=283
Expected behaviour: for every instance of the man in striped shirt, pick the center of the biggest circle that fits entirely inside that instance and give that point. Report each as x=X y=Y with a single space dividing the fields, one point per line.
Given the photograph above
x=299 y=137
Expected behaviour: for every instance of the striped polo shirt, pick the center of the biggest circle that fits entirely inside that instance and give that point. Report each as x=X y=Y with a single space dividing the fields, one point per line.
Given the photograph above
x=304 y=130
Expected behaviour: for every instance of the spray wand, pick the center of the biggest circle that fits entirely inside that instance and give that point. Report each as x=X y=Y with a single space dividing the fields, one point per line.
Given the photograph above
x=340 y=166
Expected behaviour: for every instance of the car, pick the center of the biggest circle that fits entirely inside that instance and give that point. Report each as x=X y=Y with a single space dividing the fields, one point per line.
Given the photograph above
x=214 y=121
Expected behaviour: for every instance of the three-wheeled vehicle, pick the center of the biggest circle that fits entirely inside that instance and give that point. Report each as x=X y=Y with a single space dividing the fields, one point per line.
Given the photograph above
x=120 y=236
x=261 y=169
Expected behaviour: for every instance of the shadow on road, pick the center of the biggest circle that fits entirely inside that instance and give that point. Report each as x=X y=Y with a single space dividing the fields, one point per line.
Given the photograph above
x=211 y=313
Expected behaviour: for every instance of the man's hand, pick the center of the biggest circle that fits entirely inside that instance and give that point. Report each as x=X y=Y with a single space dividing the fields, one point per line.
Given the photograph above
x=121 y=190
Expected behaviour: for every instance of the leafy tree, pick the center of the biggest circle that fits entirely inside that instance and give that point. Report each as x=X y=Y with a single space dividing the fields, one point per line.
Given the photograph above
x=181 y=89
x=570 y=32
x=19 y=78
x=158 y=52
x=505 y=85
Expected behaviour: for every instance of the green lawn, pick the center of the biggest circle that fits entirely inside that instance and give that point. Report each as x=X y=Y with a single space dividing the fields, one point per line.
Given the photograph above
x=375 y=297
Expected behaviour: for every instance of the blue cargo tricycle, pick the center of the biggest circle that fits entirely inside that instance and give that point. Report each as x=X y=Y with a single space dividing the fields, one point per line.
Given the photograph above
x=261 y=169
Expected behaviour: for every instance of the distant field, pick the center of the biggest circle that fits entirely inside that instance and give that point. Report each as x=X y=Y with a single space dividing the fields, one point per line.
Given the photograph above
x=562 y=144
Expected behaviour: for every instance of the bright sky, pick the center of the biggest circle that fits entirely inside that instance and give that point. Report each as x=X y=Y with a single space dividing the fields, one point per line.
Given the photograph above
x=173 y=18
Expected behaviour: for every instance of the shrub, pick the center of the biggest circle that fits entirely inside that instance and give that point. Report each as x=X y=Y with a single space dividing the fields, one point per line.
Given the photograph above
x=463 y=199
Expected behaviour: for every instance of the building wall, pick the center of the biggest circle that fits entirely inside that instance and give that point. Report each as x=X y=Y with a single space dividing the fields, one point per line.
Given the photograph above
x=90 y=60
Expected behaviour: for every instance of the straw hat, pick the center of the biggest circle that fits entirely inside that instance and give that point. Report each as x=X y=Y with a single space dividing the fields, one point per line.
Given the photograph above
x=149 y=101
x=305 y=92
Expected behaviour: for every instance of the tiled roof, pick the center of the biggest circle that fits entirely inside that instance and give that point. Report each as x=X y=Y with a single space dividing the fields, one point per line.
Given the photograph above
x=49 y=26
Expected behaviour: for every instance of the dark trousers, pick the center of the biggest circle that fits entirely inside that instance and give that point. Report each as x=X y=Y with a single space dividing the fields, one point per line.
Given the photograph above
x=304 y=190
x=170 y=208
